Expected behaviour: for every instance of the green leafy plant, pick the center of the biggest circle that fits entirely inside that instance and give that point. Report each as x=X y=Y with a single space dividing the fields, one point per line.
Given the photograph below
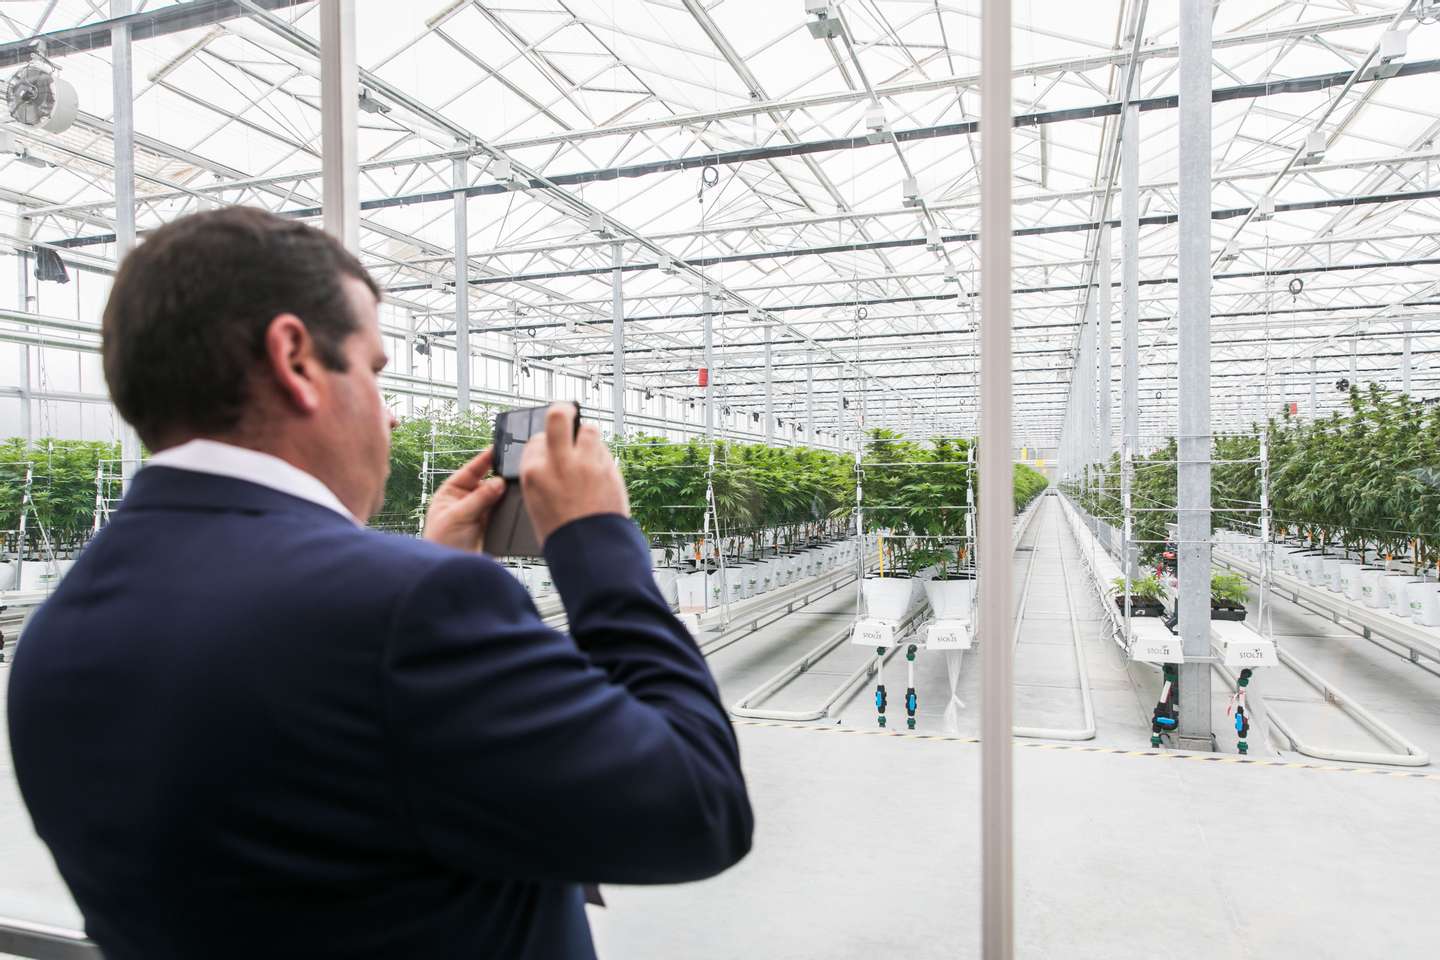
x=62 y=492
x=1147 y=587
x=1228 y=588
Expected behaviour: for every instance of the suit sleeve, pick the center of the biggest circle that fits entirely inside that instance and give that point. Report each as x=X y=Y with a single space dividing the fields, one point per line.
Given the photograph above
x=523 y=753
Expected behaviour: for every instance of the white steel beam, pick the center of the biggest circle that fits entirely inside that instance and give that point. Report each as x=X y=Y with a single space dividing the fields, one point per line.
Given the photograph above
x=617 y=339
x=1193 y=374
x=461 y=174
x=122 y=72
x=339 y=105
x=1130 y=296
x=997 y=747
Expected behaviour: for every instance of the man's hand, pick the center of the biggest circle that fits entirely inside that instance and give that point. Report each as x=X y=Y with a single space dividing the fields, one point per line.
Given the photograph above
x=565 y=479
x=460 y=509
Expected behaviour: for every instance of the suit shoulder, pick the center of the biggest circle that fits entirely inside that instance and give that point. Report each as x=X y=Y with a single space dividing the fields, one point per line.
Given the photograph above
x=420 y=560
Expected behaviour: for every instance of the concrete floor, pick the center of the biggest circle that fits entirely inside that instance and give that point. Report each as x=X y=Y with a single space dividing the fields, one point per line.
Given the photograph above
x=868 y=841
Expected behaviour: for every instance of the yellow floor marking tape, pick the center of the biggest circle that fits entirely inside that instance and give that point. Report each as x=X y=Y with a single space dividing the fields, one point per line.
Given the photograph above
x=1114 y=751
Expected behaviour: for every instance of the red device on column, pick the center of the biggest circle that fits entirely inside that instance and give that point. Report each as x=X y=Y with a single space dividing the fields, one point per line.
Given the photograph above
x=704 y=376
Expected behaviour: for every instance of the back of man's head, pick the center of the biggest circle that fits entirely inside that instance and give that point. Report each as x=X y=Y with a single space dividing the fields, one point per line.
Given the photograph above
x=184 y=329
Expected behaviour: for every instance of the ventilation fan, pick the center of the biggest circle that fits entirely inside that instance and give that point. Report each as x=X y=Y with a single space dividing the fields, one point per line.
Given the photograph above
x=1342 y=384
x=36 y=97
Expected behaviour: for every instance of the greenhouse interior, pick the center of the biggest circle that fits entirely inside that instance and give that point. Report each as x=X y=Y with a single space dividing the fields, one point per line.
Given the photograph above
x=949 y=351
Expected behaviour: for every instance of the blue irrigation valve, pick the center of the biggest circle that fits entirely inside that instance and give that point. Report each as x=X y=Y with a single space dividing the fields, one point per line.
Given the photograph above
x=880 y=700
x=911 y=702
x=1167 y=722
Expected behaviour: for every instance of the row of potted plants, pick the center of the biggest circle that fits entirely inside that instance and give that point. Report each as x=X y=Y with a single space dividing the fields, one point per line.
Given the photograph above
x=1397 y=592
x=780 y=514
x=62 y=494
x=1149 y=595
x=918 y=500
x=1366 y=483
x=1358 y=490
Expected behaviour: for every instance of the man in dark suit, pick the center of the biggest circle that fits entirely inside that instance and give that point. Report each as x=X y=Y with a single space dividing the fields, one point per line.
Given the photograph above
x=246 y=726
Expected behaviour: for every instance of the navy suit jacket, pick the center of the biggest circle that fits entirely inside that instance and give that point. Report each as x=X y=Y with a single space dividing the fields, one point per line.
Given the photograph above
x=246 y=727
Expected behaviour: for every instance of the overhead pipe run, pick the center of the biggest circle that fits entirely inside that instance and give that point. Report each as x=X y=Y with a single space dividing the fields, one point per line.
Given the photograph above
x=1317 y=82
x=1166 y=219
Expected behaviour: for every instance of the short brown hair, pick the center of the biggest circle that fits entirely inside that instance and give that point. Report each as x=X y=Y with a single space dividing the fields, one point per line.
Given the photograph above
x=184 y=329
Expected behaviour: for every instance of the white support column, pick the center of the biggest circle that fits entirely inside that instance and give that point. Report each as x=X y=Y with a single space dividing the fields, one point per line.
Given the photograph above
x=460 y=172
x=617 y=344
x=769 y=388
x=122 y=72
x=1355 y=362
x=810 y=398
x=1193 y=363
x=1405 y=357
x=1103 y=318
x=22 y=297
x=1090 y=379
x=996 y=508
x=339 y=106
x=1314 y=387
x=410 y=362
x=708 y=307
x=1130 y=294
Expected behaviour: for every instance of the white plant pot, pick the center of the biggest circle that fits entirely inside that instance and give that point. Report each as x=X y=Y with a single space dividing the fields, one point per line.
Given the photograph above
x=950 y=599
x=735 y=580
x=1372 y=590
x=1290 y=562
x=1331 y=580
x=1312 y=568
x=691 y=588
x=668 y=580
x=1423 y=600
x=1396 y=600
x=1350 y=579
x=769 y=574
x=889 y=598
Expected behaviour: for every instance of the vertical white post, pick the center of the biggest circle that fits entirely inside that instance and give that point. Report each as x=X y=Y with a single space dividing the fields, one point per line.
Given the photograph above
x=810 y=398
x=707 y=306
x=123 y=121
x=617 y=344
x=411 y=323
x=1355 y=362
x=1130 y=298
x=1103 y=327
x=461 y=179
x=339 y=105
x=1193 y=363
x=1314 y=387
x=996 y=491
x=769 y=389
x=1405 y=358
x=22 y=296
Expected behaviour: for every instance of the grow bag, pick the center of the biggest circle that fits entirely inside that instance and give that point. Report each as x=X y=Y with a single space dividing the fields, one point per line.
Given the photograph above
x=668 y=580
x=889 y=598
x=1423 y=599
x=951 y=599
x=1372 y=589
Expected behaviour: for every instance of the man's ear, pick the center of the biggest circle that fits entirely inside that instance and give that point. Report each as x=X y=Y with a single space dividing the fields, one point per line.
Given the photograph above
x=290 y=354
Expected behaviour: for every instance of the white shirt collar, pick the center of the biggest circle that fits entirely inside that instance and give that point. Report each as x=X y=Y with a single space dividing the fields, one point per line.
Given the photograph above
x=240 y=463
